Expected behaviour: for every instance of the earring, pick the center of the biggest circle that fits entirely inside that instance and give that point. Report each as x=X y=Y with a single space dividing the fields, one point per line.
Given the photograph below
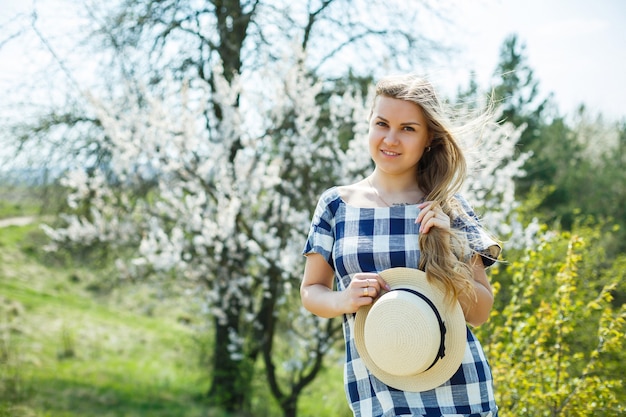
x=428 y=149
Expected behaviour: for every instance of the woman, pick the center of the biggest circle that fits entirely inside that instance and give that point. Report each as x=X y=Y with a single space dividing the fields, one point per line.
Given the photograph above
x=409 y=202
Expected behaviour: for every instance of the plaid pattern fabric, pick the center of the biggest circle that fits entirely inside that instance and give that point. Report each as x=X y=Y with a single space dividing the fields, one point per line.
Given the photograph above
x=353 y=240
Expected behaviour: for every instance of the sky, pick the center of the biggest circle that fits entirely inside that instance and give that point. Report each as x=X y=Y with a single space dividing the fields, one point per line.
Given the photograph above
x=576 y=48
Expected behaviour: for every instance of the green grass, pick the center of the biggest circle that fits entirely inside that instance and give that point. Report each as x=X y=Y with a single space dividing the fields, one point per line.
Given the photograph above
x=66 y=352
x=75 y=341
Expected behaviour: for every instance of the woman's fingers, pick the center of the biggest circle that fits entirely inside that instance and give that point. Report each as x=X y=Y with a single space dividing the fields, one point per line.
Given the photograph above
x=431 y=215
x=370 y=280
x=365 y=288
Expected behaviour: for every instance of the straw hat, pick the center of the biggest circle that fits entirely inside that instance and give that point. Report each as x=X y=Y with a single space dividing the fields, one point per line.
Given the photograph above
x=411 y=338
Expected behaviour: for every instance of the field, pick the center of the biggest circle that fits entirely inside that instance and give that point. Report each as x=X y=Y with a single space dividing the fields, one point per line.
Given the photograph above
x=67 y=350
x=77 y=341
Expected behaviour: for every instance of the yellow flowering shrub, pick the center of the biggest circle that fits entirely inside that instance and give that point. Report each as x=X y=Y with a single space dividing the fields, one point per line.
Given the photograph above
x=556 y=335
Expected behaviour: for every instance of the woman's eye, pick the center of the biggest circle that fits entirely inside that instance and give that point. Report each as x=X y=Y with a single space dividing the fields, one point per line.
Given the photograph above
x=409 y=128
x=383 y=124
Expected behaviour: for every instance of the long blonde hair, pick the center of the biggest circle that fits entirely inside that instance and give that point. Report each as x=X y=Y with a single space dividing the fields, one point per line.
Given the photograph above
x=440 y=174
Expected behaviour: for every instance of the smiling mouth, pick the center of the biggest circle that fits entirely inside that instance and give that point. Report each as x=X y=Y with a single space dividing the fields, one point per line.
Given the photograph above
x=389 y=153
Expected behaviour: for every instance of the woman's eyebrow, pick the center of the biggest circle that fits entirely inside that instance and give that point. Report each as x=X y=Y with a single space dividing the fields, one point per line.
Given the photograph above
x=401 y=124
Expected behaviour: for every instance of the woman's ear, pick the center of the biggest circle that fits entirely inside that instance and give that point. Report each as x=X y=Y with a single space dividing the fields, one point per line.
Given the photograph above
x=429 y=144
x=431 y=137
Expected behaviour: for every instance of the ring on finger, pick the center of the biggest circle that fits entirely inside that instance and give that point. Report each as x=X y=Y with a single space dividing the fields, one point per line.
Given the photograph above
x=366 y=291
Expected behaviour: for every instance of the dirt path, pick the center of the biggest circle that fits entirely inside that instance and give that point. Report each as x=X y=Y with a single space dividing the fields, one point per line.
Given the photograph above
x=17 y=221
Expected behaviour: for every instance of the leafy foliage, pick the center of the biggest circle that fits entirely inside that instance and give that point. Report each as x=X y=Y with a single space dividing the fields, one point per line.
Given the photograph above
x=557 y=335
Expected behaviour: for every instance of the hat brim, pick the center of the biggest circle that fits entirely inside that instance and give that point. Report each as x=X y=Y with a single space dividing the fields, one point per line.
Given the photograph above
x=455 y=337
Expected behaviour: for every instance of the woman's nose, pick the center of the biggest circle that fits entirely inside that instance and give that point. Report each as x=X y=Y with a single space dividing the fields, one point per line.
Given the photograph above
x=391 y=137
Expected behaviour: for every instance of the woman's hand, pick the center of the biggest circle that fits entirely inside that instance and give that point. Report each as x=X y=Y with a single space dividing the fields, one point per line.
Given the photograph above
x=363 y=290
x=431 y=215
x=318 y=296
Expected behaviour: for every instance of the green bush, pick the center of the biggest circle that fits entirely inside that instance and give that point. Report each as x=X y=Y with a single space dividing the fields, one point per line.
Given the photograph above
x=555 y=340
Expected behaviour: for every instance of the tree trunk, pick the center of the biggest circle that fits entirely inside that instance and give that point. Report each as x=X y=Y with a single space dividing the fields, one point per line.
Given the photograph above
x=230 y=385
x=290 y=406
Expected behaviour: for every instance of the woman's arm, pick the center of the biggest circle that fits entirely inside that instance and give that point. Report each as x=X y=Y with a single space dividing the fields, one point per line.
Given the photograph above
x=318 y=296
x=477 y=308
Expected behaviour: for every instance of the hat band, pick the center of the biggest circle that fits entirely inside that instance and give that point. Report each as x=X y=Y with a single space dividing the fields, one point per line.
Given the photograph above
x=442 y=327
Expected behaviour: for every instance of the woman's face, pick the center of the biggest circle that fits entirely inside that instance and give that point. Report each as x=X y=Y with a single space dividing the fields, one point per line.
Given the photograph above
x=398 y=135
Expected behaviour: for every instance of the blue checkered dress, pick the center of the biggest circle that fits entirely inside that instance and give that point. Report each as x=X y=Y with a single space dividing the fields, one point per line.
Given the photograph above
x=353 y=240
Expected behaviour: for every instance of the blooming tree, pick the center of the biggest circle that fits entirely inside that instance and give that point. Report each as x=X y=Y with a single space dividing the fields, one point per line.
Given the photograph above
x=225 y=216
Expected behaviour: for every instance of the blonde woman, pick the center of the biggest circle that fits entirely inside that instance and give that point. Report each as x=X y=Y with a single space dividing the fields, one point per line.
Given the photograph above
x=407 y=213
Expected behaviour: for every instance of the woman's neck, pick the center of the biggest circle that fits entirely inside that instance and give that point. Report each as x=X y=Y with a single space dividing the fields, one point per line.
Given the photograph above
x=395 y=190
x=394 y=184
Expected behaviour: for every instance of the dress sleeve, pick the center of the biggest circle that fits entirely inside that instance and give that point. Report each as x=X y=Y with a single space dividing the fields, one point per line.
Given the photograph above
x=321 y=238
x=479 y=240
